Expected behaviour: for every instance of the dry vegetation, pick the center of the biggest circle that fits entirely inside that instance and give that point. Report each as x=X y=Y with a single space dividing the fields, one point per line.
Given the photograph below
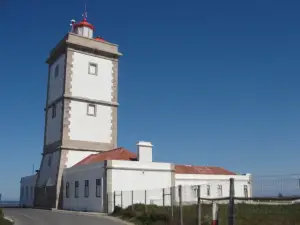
x=2 y=220
x=246 y=214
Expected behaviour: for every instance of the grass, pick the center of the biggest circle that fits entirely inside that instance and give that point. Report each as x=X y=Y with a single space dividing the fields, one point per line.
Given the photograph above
x=2 y=220
x=245 y=214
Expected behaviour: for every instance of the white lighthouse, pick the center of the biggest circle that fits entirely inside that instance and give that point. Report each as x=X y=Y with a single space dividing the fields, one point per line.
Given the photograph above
x=81 y=107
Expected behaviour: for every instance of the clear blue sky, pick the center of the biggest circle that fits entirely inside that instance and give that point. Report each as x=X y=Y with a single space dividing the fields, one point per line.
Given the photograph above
x=208 y=82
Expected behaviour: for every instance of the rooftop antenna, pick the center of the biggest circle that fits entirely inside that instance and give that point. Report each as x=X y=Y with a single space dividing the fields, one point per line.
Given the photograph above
x=84 y=15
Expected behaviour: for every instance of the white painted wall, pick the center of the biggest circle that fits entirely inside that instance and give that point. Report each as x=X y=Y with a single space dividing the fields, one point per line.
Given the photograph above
x=74 y=157
x=56 y=83
x=81 y=173
x=27 y=190
x=48 y=173
x=90 y=86
x=90 y=128
x=84 y=31
x=189 y=181
x=53 y=128
x=128 y=176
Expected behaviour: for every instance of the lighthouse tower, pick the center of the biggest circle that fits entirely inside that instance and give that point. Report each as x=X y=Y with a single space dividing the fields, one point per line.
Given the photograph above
x=81 y=107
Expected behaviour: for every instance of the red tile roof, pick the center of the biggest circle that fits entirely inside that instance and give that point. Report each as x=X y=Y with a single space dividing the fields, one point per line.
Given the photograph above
x=124 y=154
x=114 y=154
x=211 y=170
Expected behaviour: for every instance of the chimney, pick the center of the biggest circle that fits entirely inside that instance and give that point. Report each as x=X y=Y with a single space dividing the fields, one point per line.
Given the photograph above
x=144 y=151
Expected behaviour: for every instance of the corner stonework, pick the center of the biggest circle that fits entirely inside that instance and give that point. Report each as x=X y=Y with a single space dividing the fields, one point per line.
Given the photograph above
x=114 y=112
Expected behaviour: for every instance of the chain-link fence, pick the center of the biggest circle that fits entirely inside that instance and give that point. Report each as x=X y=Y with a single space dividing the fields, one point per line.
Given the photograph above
x=210 y=204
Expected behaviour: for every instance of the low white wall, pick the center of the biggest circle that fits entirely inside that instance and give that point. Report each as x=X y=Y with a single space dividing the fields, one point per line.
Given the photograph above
x=218 y=185
x=27 y=190
x=82 y=173
x=140 y=182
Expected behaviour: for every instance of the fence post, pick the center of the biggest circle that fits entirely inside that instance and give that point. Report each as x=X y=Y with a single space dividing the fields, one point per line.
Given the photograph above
x=163 y=196
x=114 y=199
x=145 y=201
x=180 y=204
x=132 y=201
x=107 y=202
x=199 y=205
x=172 y=189
x=231 y=202
x=215 y=214
x=121 y=199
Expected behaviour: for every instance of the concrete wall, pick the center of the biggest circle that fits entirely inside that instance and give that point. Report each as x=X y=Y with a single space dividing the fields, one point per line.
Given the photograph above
x=73 y=157
x=134 y=178
x=126 y=176
x=90 y=128
x=48 y=170
x=27 y=190
x=84 y=85
x=90 y=172
x=53 y=132
x=96 y=89
x=56 y=83
x=218 y=185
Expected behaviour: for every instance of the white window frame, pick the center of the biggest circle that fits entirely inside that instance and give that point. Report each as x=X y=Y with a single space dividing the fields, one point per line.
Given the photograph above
x=95 y=109
x=246 y=191
x=208 y=190
x=86 y=188
x=67 y=189
x=220 y=190
x=53 y=111
x=96 y=69
x=98 y=188
x=76 y=192
x=49 y=160
x=26 y=192
x=56 y=71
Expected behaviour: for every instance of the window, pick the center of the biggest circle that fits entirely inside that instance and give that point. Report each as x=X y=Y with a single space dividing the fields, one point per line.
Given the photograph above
x=208 y=190
x=56 y=71
x=220 y=191
x=26 y=194
x=67 y=190
x=22 y=192
x=246 y=191
x=31 y=192
x=98 y=187
x=49 y=160
x=53 y=111
x=195 y=190
x=76 y=189
x=86 y=188
x=93 y=69
x=91 y=110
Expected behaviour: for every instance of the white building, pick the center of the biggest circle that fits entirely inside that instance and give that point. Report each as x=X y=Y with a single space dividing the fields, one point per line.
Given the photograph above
x=82 y=165
x=27 y=190
x=121 y=177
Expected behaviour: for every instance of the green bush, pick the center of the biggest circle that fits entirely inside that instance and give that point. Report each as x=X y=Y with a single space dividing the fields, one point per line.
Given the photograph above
x=245 y=214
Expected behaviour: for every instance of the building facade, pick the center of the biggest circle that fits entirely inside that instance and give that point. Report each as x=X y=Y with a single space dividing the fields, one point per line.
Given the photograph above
x=120 y=177
x=81 y=107
x=82 y=167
